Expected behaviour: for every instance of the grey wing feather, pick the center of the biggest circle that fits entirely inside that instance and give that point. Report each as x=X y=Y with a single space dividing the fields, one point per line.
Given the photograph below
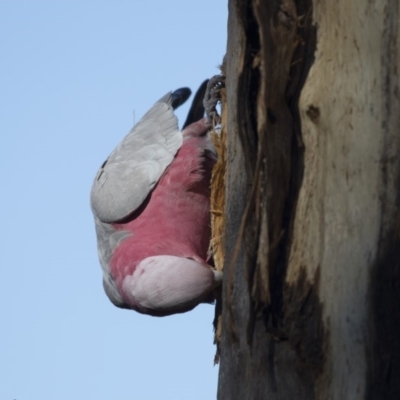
x=135 y=166
x=108 y=239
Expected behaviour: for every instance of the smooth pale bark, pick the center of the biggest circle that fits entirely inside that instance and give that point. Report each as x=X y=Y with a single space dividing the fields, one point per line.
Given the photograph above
x=311 y=296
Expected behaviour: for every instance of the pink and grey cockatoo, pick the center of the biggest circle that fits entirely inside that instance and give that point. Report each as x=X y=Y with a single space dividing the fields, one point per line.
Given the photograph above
x=151 y=204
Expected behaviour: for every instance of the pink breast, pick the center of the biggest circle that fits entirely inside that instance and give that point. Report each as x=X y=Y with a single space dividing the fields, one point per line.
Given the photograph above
x=175 y=219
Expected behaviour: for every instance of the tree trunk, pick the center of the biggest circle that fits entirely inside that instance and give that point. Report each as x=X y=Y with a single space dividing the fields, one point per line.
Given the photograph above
x=311 y=295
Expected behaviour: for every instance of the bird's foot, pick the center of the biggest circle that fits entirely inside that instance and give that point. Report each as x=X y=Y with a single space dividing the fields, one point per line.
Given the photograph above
x=211 y=99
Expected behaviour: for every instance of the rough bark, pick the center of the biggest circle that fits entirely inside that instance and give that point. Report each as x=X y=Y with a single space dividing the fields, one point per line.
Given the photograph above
x=311 y=295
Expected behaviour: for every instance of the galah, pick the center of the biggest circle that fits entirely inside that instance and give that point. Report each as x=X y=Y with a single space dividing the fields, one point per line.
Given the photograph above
x=151 y=205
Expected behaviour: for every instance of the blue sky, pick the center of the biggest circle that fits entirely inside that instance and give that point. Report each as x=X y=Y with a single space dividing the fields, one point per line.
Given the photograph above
x=73 y=77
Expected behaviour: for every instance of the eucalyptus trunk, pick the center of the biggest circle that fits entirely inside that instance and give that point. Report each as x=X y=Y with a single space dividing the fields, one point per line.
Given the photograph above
x=311 y=295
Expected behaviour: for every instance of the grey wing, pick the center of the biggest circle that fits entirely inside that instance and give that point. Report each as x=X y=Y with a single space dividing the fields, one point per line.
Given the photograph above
x=135 y=166
x=108 y=240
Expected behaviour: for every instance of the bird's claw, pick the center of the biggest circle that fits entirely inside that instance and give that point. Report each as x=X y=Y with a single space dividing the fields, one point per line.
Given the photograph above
x=211 y=99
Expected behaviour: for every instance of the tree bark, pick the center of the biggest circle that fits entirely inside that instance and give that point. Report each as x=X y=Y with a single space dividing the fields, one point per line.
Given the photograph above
x=311 y=293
